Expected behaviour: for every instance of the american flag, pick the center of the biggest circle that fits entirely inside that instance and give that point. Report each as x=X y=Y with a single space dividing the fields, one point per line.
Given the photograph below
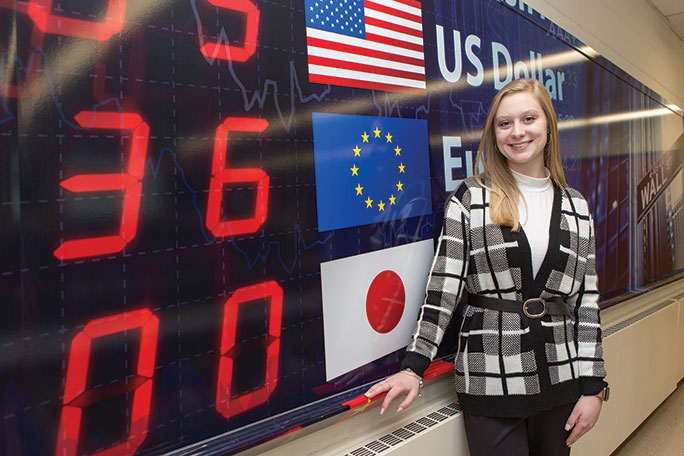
x=374 y=44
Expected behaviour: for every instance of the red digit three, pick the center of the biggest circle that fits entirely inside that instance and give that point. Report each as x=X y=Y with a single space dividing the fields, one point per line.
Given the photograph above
x=130 y=183
x=75 y=395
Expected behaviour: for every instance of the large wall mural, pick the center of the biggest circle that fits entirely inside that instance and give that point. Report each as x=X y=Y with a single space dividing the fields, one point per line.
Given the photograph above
x=217 y=215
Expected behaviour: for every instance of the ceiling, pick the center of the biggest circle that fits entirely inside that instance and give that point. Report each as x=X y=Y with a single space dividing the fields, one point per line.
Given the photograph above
x=673 y=12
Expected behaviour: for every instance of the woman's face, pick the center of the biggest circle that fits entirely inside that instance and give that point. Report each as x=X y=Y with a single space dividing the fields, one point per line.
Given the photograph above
x=521 y=127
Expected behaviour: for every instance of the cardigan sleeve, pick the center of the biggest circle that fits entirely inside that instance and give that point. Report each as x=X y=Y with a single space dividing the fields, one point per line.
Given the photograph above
x=588 y=325
x=445 y=283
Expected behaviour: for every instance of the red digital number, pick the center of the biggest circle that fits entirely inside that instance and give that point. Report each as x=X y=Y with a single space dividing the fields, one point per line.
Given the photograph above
x=130 y=183
x=225 y=404
x=236 y=53
x=77 y=371
x=221 y=175
x=40 y=12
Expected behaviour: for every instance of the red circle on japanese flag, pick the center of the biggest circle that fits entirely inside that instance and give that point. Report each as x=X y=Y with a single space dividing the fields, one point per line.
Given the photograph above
x=385 y=301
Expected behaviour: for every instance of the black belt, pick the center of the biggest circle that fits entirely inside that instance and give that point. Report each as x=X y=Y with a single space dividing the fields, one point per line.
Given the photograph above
x=532 y=308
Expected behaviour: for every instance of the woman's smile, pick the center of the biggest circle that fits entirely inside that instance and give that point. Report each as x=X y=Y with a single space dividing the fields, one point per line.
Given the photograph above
x=521 y=133
x=521 y=145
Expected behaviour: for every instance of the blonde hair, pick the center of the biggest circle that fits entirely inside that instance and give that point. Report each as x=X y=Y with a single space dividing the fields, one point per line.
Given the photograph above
x=497 y=176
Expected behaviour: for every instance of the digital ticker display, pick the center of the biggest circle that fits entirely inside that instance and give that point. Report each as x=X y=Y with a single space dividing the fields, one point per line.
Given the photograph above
x=216 y=216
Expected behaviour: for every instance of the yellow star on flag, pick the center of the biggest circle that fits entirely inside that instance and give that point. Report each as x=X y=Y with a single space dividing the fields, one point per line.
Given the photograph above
x=357 y=151
x=401 y=167
x=397 y=150
x=354 y=170
x=392 y=199
x=358 y=189
x=369 y=203
x=381 y=206
x=400 y=187
x=389 y=138
x=365 y=136
x=377 y=132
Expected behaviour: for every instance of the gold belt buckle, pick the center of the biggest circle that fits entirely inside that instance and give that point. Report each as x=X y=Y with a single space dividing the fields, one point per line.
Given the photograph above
x=537 y=315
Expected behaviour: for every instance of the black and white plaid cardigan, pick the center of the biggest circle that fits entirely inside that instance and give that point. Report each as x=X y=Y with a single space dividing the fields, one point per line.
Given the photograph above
x=509 y=365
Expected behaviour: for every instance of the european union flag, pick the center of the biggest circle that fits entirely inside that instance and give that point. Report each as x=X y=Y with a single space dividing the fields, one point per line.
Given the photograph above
x=370 y=169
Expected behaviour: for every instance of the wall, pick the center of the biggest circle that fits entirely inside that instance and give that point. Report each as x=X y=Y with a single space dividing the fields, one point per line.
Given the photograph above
x=630 y=34
x=644 y=357
x=192 y=280
x=633 y=36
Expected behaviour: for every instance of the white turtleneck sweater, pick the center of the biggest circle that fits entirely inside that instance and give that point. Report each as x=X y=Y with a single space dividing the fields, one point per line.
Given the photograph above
x=535 y=213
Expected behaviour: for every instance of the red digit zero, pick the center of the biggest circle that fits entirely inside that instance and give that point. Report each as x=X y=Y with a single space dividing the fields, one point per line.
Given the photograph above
x=220 y=175
x=236 y=53
x=226 y=404
x=77 y=371
x=40 y=12
x=130 y=183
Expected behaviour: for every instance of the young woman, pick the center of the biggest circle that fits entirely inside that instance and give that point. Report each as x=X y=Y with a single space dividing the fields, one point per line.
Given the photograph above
x=529 y=368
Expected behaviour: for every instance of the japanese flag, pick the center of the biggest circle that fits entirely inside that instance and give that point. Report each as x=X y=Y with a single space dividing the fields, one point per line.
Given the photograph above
x=370 y=304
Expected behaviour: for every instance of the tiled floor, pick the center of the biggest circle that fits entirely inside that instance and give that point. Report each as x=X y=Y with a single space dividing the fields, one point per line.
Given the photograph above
x=662 y=434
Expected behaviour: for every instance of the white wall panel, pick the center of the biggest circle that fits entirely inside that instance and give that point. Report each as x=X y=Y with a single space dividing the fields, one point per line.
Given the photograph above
x=630 y=34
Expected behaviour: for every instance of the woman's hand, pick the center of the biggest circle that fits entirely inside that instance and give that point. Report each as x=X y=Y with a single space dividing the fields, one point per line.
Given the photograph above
x=583 y=417
x=402 y=382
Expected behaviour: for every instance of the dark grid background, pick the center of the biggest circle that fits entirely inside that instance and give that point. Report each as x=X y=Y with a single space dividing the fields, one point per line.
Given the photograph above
x=174 y=266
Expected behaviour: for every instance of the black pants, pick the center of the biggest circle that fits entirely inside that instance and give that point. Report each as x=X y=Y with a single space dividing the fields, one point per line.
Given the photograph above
x=543 y=434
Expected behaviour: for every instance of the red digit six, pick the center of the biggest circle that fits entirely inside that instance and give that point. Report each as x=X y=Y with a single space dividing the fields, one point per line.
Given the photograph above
x=221 y=175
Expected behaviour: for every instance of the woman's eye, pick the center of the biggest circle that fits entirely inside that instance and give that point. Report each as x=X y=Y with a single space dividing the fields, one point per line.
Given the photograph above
x=504 y=123
x=529 y=118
